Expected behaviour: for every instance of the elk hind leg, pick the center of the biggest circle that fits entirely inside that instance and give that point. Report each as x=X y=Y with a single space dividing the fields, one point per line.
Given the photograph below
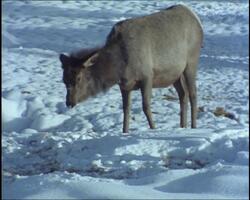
x=181 y=88
x=146 y=91
x=190 y=77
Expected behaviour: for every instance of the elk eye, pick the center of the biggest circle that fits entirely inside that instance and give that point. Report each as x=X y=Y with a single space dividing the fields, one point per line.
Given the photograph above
x=78 y=79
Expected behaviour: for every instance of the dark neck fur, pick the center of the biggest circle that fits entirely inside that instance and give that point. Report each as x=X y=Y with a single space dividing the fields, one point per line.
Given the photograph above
x=101 y=79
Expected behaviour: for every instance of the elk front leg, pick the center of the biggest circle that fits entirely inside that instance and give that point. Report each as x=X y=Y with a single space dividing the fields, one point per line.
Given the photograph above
x=146 y=91
x=126 y=109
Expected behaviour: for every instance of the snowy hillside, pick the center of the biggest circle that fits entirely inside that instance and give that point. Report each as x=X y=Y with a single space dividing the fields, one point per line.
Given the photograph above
x=52 y=152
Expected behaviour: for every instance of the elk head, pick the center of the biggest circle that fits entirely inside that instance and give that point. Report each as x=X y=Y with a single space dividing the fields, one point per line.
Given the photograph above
x=76 y=77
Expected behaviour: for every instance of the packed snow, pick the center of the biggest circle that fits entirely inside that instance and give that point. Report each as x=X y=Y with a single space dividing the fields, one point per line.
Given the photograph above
x=52 y=152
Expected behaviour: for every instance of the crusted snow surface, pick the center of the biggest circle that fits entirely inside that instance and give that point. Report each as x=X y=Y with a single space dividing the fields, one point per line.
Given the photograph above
x=52 y=152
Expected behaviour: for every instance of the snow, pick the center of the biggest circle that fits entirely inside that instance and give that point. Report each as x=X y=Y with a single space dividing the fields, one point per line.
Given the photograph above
x=52 y=152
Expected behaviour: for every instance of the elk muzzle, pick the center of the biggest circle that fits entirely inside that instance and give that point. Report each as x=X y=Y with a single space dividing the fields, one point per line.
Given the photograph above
x=70 y=100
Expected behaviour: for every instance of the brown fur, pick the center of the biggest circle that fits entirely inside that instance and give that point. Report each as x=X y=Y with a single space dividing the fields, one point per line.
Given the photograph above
x=84 y=54
x=142 y=53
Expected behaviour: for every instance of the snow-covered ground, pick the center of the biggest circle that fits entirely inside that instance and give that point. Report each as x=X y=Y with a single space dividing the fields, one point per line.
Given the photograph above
x=52 y=152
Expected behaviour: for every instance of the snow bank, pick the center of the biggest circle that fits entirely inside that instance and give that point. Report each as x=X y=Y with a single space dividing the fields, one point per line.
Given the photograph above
x=21 y=112
x=12 y=114
x=181 y=184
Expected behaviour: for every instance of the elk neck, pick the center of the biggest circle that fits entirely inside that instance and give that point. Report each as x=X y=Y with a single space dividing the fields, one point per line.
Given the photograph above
x=102 y=77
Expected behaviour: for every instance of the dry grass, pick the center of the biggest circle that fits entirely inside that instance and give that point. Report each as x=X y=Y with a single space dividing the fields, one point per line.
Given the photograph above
x=220 y=111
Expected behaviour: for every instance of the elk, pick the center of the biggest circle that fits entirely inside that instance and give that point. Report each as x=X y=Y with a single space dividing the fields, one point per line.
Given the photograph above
x=153 y=51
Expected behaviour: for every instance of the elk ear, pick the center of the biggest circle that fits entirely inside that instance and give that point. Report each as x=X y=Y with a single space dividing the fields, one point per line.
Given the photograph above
x=91 y=60
x=65 y=60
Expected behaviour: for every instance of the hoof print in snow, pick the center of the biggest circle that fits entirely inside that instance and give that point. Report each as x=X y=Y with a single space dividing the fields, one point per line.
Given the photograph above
x=26 y=92
x=201 y=109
